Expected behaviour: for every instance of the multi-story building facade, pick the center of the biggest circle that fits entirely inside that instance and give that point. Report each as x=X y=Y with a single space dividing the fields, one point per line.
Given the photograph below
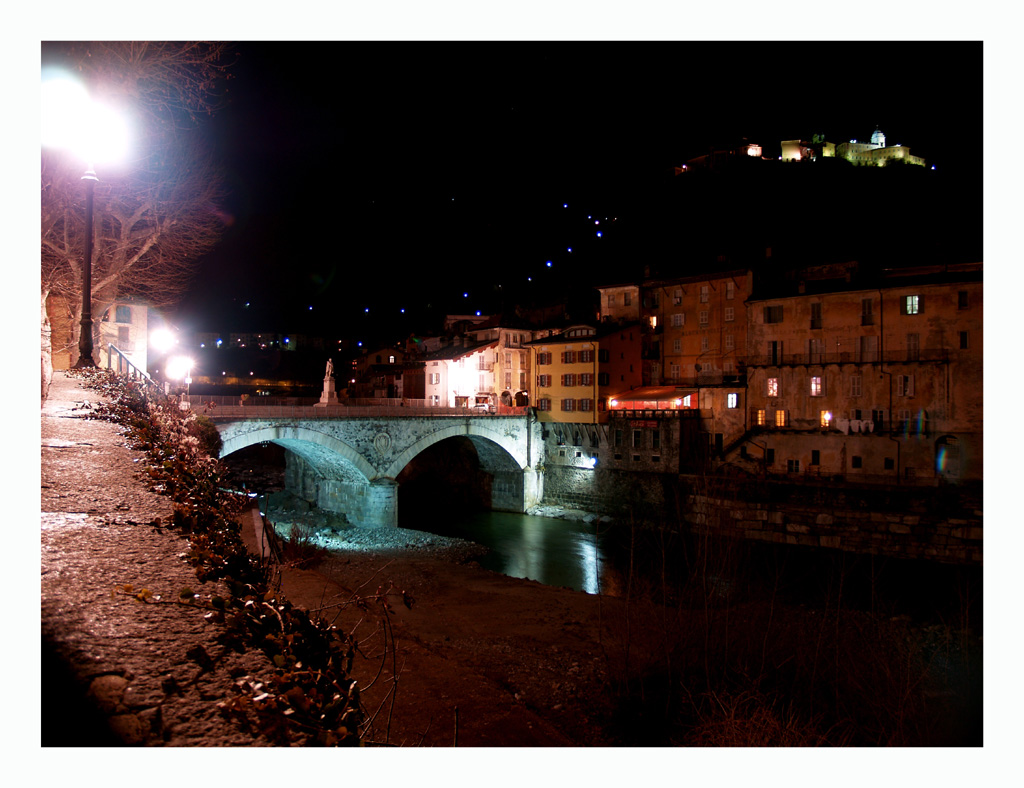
x=578 y=370
x=510 y=385
x=697 y=327
x=878 y=382
x=619 y=303
x=460 y=375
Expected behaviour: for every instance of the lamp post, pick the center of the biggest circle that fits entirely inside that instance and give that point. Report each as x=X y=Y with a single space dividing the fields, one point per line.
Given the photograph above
x=94 y=133
x=85 y=359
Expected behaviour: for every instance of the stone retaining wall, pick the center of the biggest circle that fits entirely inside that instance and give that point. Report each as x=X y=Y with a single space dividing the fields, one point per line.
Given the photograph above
x=895 y=534
x=903 y=523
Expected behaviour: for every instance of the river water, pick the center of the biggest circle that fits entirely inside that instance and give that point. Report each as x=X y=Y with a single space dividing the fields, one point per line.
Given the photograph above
x=551 y=551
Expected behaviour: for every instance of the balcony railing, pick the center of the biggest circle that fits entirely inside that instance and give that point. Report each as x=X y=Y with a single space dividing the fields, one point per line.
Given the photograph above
x=935 y=355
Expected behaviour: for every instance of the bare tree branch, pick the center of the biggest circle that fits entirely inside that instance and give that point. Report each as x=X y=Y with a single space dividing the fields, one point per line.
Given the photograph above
x=155 y=221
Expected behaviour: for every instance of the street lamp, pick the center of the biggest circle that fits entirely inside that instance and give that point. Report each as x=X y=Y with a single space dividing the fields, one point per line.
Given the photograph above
x=180 y=368
x=93 y=133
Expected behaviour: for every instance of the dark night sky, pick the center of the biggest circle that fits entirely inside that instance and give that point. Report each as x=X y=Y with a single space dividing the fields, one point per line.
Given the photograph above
x=402 y=175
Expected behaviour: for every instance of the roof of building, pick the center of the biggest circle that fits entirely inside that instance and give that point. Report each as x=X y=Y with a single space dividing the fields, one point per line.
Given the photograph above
x=452 y=352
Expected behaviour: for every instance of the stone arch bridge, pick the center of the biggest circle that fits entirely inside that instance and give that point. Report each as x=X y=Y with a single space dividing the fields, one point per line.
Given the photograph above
x=347 y=461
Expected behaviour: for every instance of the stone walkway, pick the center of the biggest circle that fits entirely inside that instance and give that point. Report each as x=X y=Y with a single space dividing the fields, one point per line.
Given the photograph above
x=116 y=670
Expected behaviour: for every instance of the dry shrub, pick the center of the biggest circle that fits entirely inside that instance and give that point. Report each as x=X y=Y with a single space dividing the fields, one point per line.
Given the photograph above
x=301 y=549
x=751 y=719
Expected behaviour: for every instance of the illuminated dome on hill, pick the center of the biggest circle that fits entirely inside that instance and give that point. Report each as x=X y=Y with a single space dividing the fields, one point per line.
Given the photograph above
x=878 y=138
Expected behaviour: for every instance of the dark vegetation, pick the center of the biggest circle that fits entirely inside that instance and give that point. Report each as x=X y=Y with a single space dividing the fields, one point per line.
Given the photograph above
x=730 y=643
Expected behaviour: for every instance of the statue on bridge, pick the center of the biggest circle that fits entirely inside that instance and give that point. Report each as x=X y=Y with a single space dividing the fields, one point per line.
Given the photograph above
x=329 y=395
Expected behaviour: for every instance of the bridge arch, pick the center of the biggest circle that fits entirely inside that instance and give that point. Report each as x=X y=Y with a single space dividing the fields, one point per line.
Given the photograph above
x=329 y=457
x=509 y=458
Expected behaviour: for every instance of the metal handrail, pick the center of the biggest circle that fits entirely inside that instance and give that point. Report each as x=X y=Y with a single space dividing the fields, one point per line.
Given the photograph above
x=126 y=367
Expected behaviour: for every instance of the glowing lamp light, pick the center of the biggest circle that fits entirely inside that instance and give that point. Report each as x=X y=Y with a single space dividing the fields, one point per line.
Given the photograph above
x=548 y=263
x=599 y=235
x=613 y=402
x=679 y=402
x=178 y=367
x=72 y=121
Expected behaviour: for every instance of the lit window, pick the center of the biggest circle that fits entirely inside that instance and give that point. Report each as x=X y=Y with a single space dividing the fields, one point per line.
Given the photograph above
x=773 y=387
x=780 y=418
x=686 y=400
x=732 y=400
x=910 y=305
x=760 y=418
x=817 y=387
x=826 y=419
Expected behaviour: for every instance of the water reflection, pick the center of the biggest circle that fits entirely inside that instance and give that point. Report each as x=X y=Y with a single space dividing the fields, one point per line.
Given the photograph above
x=550 y=551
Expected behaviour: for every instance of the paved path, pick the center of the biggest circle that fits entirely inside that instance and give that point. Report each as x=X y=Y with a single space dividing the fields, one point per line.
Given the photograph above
x=115 y=670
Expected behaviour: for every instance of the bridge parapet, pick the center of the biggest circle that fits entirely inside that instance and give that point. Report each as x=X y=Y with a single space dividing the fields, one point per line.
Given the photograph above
x=331 y=412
